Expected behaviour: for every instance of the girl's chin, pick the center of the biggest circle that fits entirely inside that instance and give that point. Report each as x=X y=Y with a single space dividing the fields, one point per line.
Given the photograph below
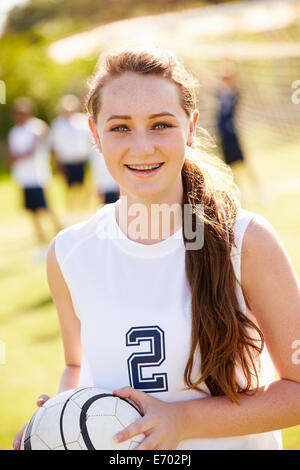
x=153 y=191
x=143 y=195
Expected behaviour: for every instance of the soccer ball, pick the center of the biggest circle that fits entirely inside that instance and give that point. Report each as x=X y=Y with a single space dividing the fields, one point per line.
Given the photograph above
x=81 y=419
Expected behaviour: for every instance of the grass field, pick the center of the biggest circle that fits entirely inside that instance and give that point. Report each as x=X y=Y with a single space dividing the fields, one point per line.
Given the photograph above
x=28 y=323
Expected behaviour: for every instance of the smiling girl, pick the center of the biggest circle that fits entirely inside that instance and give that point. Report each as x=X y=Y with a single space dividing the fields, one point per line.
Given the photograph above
x=190 y=332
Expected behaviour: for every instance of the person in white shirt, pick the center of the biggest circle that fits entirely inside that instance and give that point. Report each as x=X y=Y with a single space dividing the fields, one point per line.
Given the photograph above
x=186 y=312
x=107 y=188
x=29 y=160
x=69 y=141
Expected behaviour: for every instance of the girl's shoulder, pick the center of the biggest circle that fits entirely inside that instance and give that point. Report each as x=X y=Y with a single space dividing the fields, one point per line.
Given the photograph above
x=255 y=241
x=70 y=238
x=246 y=221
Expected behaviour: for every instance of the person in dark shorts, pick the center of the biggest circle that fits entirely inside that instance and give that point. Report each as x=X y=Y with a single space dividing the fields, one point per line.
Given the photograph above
x=110 y=197
x=107 y=188
x=74 y=173
x=34 y=199
x=69 y=141
x=228 y=96
x=28 y=158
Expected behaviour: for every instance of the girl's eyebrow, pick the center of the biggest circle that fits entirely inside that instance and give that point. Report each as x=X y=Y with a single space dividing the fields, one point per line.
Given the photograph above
x=125 y=116
x=118 y=116
x=161 y=114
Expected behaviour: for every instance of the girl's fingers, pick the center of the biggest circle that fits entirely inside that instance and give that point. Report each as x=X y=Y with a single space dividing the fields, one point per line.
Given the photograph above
x=18 y=438
x=139 y=398
x=151 y=442
x=141 y=426
x=42 y=399
x=17 y=443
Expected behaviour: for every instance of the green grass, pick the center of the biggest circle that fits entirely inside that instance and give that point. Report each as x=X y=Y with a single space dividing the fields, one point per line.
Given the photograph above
x=28 y=322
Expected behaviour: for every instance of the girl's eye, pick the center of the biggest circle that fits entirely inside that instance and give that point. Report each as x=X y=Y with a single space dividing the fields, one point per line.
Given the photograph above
x=159 y=126
x=162 y=125
x=119 y=129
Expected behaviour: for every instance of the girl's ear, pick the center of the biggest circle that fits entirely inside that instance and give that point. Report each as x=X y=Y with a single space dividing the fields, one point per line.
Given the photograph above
x=192 y=127
x=93 y=128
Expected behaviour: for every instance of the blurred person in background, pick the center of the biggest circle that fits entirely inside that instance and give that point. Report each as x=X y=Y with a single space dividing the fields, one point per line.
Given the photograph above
x=107 y=188
x=228 y=95
x=28 y=158
x=70 y=145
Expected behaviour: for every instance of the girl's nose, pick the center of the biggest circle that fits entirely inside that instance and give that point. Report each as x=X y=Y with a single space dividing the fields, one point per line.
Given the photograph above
x=141 y=146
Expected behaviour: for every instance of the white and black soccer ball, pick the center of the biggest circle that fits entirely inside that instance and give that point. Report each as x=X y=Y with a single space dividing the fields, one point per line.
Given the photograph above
x=81 y=419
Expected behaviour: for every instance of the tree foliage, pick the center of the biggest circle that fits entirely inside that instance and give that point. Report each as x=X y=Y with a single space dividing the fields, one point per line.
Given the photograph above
x=27 y=70
x=86 y=13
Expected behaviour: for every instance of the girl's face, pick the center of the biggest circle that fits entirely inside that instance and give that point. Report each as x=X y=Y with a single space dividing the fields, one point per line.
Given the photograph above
x=142 y=124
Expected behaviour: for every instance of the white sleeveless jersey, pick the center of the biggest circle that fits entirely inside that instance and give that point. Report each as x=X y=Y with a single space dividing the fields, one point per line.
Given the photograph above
x=134 y=304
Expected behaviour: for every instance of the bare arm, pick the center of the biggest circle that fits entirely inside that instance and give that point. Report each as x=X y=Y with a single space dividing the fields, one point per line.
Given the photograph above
x=70 y=330
x=272 y=289
x=69 y=322
x=274 y=407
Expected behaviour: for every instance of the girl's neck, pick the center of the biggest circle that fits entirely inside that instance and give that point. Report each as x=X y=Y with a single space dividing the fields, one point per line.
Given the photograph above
x=149 y=221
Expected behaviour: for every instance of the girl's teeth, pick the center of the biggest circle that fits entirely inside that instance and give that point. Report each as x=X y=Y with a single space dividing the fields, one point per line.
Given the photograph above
x=143 y=167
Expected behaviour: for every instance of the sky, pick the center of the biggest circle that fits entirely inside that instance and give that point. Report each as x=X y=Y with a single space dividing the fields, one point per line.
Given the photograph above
x=5 y=6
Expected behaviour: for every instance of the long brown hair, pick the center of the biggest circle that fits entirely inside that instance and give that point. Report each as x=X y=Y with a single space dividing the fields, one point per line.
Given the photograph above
x=220 y=329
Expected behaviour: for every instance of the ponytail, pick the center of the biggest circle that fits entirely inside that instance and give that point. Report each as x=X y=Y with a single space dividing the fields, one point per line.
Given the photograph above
x=219 y=327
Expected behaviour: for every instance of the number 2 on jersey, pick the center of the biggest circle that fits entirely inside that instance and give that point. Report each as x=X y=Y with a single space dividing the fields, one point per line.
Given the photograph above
x=138 y=361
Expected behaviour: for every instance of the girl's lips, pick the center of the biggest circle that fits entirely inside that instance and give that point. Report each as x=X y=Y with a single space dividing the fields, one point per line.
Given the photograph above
x=143 y=173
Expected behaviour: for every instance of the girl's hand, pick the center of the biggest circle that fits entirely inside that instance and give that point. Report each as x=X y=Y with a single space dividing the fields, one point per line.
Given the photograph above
x=161 y=423
x=18 y=438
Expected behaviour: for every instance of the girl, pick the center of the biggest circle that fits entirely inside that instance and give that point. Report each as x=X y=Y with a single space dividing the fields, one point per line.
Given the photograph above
x=182 y=323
